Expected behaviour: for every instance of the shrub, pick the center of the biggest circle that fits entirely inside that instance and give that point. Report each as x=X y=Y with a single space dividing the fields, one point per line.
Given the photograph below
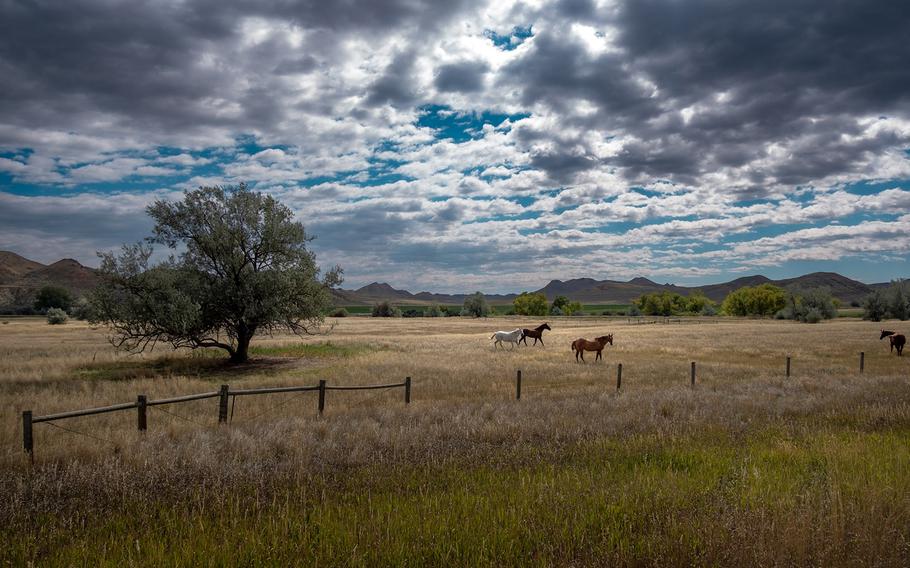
x=812 y=315
x=476 y=305
x=555 y=311
x=528 y=304
x=56 y=316
x=761 y=300
x=875 y=307
x=53 y=297
x=433 y=311
x=411 y=313
x=339 y=313
x=385 y=310
x=82 y=309
x=634 y=311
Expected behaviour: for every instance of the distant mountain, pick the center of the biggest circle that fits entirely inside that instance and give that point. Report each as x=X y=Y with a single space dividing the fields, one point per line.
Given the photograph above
x=13 y=267
x=20 y=278
x=591 y=291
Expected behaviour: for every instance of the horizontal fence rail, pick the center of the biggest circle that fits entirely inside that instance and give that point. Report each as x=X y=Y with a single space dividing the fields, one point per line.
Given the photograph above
x=223 y=394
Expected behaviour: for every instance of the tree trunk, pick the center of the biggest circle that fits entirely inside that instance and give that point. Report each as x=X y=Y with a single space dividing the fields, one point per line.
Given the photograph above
x=242 y=353
x=245 y=333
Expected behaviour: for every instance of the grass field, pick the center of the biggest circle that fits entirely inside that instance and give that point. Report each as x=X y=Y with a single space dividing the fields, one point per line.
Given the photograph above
x=746 y=468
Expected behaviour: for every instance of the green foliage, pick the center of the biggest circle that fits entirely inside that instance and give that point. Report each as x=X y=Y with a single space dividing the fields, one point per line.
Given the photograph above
x=899 y=300
x=339 y=313
x=244 y=269
x=56 y=316
x=433 y=311
x=560 y=302
x=81 y=309
x=476 y=306
x=53 y=297
x=671 y=304
x=875 y=306
x=528 y=304
x=761 y=300
x=386 y=310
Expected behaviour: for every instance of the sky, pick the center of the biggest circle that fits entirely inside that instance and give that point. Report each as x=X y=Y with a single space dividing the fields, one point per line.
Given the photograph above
x=470 y=144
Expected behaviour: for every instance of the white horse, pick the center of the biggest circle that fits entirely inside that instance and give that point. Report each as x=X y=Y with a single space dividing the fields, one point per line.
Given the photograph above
x=512 y=337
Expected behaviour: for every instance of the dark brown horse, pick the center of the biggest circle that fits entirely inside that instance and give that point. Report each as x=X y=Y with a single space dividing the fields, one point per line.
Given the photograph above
x=897 y=341
x=536 y=333
x=579 y=346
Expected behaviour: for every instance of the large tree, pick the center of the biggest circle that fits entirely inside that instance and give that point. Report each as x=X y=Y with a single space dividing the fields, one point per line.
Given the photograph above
x=239 y=266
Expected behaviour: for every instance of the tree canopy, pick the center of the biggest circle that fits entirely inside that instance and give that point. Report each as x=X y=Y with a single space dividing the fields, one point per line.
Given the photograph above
x=528 y=304
x=761 y=300
x=53 y=297
x=476 y=305
x=239 y=266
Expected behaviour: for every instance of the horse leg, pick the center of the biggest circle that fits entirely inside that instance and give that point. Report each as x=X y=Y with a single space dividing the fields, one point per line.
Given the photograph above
x=599 y=355
x=582 y=353
x=541 y=341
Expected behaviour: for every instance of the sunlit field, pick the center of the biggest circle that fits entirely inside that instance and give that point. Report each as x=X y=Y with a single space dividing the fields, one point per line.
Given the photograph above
x=748 y=466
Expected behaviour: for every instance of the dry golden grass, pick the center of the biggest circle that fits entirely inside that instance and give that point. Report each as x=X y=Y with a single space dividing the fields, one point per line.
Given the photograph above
x=50 y=369
x=463 y=416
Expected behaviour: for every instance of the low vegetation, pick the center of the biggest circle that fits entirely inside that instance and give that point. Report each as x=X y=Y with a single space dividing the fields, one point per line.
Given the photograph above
x=746 y=468
x=893 y=302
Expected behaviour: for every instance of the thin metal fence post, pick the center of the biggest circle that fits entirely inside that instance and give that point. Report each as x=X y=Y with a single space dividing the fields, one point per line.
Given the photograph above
x=862 y=361
x=693 y=373
x=321 y=395
x=618 y=376
x=407 y=390
x=518 y=386
x=788 y=366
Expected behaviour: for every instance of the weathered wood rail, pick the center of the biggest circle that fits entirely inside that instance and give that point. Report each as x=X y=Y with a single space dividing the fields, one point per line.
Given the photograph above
x=224 y=394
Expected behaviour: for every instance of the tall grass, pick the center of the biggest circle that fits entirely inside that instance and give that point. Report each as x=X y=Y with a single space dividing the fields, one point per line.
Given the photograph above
x=747 y=467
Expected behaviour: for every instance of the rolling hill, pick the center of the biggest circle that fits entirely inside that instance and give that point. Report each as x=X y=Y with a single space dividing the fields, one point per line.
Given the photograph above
x=20 y=278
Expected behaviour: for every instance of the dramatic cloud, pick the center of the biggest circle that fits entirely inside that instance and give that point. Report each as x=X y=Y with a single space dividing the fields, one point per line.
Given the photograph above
x=474 y=143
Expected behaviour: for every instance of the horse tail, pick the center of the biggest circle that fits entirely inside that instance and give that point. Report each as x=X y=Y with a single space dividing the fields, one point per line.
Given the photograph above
x=573 y=345
x=492 y=336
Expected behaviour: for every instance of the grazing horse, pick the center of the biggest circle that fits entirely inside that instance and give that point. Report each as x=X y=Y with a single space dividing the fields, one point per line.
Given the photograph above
x=536 y=333
x=897 y=341
x=579 y=346
x=512 y=337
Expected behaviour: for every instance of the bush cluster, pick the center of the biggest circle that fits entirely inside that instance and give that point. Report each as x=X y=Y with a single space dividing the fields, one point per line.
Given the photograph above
x=893 y=302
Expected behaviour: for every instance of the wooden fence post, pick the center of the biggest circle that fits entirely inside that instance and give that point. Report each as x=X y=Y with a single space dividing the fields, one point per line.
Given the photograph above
x=518 y=386
x=693 y=373
x=862 y=361
x=321 y=395
x=788 y=366
x=141 y=406
x=27 y=441
x=223 y=404
x=407 y=390
x=618 y=376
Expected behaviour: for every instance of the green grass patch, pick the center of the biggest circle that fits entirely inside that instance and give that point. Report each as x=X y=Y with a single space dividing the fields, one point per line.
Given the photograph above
x=325 y=349
x=772 y=497
x=202 y=362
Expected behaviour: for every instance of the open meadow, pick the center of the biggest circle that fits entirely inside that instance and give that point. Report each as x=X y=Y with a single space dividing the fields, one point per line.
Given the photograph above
x=748 y=466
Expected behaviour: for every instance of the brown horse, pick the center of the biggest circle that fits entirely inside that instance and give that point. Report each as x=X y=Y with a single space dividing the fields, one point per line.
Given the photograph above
x=536 y=333
x=897 y=341
x=579 y=346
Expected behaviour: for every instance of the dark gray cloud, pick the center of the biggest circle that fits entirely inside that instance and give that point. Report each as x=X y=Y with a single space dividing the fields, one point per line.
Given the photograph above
x=750 y=74
x=465 y=77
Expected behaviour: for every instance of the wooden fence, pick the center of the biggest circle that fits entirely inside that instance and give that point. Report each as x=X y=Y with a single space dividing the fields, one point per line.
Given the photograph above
x=224 y=395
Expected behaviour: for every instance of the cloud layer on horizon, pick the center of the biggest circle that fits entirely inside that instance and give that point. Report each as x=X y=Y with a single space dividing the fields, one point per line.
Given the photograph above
x=479 y=144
